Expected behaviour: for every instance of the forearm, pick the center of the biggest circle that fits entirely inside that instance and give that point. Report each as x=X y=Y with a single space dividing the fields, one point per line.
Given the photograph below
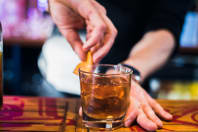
x=69 y=3
x=81 y=6
x=151 y=52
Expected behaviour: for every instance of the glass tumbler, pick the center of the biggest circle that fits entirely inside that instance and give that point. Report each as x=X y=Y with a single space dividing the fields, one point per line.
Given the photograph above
x=104 y=95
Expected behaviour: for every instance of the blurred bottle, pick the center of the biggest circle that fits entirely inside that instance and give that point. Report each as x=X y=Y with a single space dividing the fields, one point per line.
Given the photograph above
x=190 y=30
x=194 y=90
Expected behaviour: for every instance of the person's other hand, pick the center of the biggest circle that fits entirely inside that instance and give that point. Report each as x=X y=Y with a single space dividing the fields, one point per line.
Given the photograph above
x=144 y=109
x=73 y=15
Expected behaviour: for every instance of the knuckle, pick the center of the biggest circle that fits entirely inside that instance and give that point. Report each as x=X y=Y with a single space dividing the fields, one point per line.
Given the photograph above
x=152 y=114
x=158 y=106
x=88 y=11
x=152 y=127
x=104 y=10
x=105 y=52
x=101 y=8
x=114 y=32
x=144 y=106
x=140 y=117
x=102 y=27
x=136 y=111
x=154 y=102
x=101 y=56
x=157 y=119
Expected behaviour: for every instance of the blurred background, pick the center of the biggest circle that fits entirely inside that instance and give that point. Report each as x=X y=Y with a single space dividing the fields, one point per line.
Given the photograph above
x=27 y=25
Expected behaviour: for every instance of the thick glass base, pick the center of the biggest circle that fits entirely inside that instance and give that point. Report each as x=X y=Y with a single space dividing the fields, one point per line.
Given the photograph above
x=107 y=124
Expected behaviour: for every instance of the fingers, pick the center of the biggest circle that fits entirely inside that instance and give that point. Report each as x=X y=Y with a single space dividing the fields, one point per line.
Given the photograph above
x=157 y=107
x=130 y=118
x=96 y=47
x=159 y=110
x=98 y=35
x=151 y=115
x=71 y=16
x=100 y=29
x=96 y=27
x=95 y=36
x=144 y=122
x=131 y=113
x=101 y=52
x=100 y=7
x=74 y=39
x=146 y=118
x=107 y=42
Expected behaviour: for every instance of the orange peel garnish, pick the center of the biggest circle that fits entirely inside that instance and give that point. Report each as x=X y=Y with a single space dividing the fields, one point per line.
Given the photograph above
x=89 y=61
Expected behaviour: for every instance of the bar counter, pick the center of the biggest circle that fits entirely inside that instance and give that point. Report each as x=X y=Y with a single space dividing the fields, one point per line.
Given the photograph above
x=21 y=114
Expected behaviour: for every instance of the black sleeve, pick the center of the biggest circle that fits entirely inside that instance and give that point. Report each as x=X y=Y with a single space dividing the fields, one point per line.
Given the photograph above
x=169 y=14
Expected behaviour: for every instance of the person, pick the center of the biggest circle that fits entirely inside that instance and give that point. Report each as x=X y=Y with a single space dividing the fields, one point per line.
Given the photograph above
x=140 y=33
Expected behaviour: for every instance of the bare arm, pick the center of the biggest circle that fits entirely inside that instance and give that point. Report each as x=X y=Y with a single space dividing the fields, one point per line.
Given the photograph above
x=147 y=56
x=151 y=52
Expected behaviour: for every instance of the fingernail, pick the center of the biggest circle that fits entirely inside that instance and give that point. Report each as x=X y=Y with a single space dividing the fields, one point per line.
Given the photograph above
x=169 y=116
x=85 y=48
x=127 y=123
x=160 y=124
x=152 y=127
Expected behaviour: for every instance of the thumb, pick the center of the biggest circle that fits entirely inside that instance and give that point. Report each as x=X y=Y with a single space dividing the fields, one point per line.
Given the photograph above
x=74 y=40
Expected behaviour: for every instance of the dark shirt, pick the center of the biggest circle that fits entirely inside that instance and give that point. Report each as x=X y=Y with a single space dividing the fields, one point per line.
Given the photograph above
x=133 y=18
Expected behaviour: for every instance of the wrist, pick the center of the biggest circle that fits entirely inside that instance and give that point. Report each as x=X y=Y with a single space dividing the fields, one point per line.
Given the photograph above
x=136 y=76
x=138 y=64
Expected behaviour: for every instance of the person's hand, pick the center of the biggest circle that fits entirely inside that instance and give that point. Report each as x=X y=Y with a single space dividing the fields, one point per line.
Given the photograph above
x=73 y=15
x=144 y=109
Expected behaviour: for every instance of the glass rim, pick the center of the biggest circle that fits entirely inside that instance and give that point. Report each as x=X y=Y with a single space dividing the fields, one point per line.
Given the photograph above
x=108 y=65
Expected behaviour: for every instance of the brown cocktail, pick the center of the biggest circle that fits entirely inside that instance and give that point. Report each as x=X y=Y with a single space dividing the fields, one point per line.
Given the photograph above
x=105 y=95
